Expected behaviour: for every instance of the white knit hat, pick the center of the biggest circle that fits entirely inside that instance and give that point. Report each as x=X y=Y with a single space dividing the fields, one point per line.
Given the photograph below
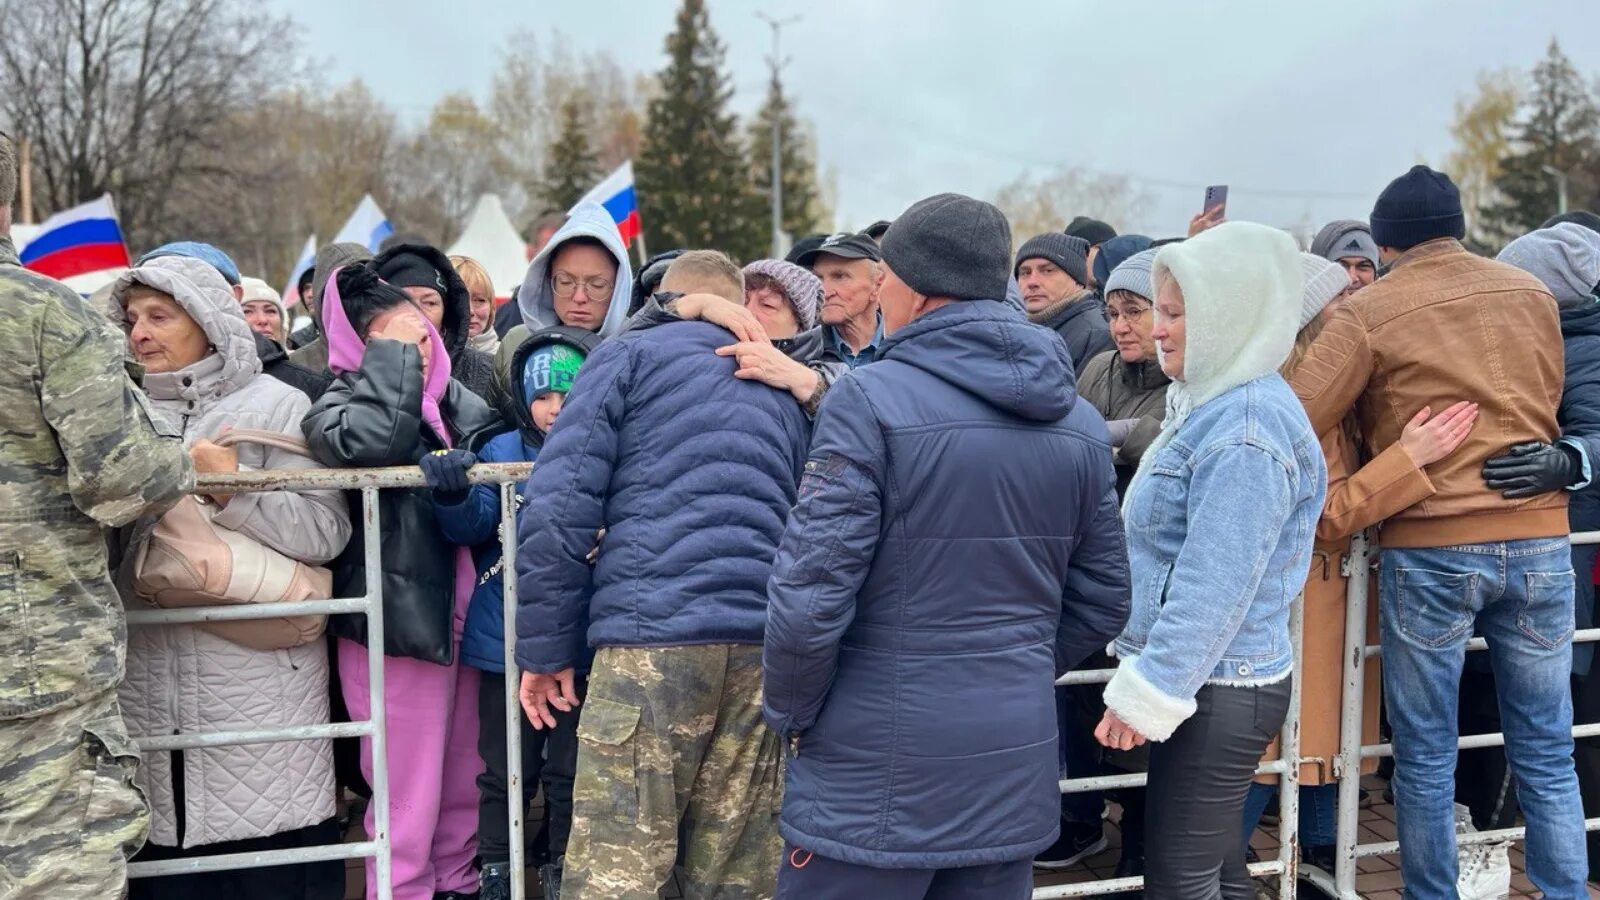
x=1324 y=281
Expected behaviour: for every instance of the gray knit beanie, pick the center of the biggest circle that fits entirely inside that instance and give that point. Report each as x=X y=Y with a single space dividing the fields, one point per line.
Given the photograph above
x=1566 y=258
x=1134 y=275
x=1343 y=238
x=802 y=289
x=953 y=246
x=1070 y=254
x=1325 y=280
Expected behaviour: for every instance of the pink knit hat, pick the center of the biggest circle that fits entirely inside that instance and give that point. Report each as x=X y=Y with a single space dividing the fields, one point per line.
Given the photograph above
x=802 y=289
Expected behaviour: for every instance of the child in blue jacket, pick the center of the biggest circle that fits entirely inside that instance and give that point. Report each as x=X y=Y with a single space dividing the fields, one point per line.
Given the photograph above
x=537 y=374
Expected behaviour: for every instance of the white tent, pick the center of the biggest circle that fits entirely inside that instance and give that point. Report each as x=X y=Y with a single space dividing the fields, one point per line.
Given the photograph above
x=492 y=240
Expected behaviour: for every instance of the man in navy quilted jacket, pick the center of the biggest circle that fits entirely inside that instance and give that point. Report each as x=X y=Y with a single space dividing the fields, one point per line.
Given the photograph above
x=690 y=473
x=956 y=546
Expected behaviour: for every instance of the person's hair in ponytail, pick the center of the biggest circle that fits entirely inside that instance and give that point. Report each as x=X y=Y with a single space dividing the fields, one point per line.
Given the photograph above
x=365 y=296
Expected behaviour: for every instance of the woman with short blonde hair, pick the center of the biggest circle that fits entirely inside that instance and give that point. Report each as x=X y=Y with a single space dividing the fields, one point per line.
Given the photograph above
x=481 y=335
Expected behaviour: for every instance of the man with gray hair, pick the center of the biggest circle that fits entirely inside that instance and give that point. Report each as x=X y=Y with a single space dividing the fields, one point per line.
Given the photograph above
x=80 y=451
x=1349 y=243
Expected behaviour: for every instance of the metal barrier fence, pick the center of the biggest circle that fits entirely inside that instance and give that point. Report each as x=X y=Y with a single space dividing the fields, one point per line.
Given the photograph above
x=1287 y=867
x=377 y=844
x=1347 y=766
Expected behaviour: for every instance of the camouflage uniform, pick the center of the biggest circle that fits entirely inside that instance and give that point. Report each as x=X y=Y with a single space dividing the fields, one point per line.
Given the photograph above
x=78 y=449
x=672 y=734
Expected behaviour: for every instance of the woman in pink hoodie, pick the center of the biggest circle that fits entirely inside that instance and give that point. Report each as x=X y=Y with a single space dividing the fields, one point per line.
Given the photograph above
x=392 y=403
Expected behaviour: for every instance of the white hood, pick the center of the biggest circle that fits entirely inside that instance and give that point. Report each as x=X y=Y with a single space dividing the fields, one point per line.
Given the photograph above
x=1242 y=285
x=537 y=299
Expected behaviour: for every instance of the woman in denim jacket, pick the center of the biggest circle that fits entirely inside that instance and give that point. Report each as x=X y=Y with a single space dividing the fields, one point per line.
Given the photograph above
x=1220 y=516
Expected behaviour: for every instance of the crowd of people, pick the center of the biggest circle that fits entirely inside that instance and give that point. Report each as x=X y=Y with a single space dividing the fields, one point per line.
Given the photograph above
x=807 y=543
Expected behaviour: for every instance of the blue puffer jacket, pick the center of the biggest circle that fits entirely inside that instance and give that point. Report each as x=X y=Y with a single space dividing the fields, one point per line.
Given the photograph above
x=956 y=545
x=475 y=523
x=690 y=471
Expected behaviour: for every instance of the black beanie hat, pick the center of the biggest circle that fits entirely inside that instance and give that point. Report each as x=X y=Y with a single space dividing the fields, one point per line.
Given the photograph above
x=406 y=269
x=365 y=295
x=1070 y=254
x=1094 y=231
x=1582 y=217
x=1419 y=206
x=953 y=246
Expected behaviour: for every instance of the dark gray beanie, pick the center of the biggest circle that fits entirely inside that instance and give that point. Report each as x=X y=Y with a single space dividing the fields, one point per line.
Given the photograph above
x=1070 y=254
x=951 y=246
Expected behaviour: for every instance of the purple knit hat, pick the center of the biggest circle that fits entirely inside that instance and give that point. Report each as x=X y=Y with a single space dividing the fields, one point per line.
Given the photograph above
x=802 y=289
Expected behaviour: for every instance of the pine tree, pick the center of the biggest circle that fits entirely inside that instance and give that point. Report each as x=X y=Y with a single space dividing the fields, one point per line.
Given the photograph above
x=802 y=212
x=694 y=182
x=1561 y=130
x=571 y=169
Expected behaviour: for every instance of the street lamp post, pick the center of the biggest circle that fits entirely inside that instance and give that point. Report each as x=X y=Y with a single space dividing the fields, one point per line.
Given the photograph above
x=1561 y=188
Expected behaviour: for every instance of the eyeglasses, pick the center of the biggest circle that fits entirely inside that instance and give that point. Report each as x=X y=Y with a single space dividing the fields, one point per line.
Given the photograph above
x=1133 y=314
x=593 y=288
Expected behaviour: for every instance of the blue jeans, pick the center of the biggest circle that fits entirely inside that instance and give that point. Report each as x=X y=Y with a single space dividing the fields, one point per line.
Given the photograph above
x=1520 y=596
x=1319 y=812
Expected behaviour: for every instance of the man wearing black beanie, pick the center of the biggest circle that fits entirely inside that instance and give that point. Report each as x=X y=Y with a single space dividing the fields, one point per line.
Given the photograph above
x=1446 y=325
x=939 y=569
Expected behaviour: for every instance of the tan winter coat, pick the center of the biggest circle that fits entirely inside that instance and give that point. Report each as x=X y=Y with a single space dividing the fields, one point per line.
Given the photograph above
x=1358 y=498
x=183 y=679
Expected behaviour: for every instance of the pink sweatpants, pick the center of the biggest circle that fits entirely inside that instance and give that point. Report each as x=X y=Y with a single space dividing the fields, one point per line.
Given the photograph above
x=433 y=769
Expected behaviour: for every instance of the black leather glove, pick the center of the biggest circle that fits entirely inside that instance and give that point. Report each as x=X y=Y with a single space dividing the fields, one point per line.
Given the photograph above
x=1528 y=470
x=446 y=474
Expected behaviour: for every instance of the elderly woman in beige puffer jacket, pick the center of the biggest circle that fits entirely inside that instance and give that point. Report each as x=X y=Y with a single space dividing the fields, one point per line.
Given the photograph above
x=203 y=372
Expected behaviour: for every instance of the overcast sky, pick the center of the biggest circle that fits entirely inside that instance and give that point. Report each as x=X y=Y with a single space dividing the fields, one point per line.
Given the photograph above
x=1306 y=109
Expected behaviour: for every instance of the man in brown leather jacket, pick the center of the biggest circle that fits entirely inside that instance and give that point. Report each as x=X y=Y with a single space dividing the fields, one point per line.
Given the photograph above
x=1446 y=325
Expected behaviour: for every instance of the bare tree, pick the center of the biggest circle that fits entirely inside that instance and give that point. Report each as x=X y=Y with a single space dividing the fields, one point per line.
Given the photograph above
x=126 y=96
x=1035 y=205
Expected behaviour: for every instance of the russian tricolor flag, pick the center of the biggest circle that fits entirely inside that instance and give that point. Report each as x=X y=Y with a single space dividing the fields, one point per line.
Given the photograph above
x=77 y=241
x=616 y=194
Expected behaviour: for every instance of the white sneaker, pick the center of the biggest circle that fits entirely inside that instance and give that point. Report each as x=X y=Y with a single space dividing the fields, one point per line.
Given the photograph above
x=1484 y=870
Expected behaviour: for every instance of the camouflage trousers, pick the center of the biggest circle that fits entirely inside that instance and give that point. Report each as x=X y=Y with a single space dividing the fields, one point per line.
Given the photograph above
x=70 y=815
x=672 y=735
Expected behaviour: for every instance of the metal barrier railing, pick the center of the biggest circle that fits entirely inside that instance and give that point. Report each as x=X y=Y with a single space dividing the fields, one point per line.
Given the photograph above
x=1287 y=863
x=1287 y=866
x=378 y=844
x=1347 y=766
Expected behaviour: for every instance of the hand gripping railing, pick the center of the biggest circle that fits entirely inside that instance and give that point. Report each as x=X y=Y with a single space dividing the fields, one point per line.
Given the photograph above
x=369 y=482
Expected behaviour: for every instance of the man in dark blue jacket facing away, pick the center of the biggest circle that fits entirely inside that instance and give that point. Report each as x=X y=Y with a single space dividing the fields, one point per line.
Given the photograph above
x=690 y=472
x=956 y=545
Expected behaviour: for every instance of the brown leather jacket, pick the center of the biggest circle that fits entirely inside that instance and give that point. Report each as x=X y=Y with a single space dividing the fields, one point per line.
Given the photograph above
x=1446 y=325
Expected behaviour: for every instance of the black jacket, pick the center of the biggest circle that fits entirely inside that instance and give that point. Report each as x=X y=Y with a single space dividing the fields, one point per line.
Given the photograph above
x=1082 y=325
x=373 y=417
x=1579 y=415
x=275 y=362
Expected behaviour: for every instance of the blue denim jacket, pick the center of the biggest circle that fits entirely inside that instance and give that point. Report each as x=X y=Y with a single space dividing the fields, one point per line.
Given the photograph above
x=1220 y=529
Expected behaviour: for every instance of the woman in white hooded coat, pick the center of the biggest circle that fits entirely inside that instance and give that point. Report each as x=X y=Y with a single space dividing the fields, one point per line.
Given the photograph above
x=203 y=372
x=1220 y=517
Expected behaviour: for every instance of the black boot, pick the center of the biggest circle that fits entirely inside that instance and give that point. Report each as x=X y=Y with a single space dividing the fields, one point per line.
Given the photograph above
x=550 y=879
x=494 y=882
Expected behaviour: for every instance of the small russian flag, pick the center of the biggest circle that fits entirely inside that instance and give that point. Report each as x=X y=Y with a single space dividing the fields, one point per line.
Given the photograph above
x=77 y=241
x=616 y=194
